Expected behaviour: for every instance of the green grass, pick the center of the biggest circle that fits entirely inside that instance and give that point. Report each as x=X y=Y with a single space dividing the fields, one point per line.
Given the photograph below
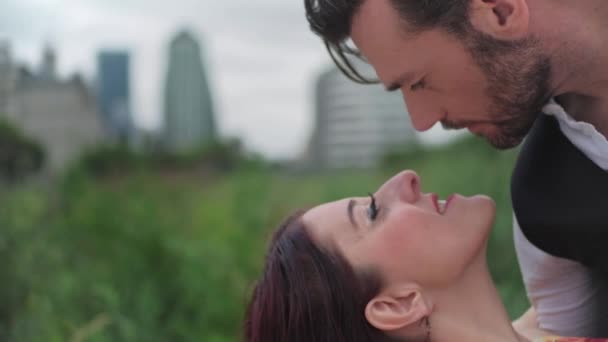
x=150 y=256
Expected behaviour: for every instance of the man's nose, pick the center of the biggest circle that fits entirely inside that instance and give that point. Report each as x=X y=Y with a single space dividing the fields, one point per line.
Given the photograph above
x=423 y=113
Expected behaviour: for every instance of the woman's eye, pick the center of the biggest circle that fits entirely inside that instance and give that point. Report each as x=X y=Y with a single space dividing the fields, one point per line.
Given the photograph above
x=418 y=85
x=372 y=210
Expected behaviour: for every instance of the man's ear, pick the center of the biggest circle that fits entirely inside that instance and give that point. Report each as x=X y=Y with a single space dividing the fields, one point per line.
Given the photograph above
x=501 y=19
x=398 y=309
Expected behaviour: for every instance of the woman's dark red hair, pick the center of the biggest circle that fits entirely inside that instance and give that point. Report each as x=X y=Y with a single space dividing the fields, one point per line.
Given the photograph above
x=309 y=294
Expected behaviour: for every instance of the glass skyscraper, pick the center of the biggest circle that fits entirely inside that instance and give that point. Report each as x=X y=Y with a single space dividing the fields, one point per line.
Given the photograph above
x=113 y=92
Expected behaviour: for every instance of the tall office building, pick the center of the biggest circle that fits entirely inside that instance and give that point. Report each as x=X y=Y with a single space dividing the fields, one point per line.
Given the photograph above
x=114 y=92
x=189 y=117
x=356 y=124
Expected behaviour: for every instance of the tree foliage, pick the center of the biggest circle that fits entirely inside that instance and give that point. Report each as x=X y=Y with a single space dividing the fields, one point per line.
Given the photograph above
x=19 y=155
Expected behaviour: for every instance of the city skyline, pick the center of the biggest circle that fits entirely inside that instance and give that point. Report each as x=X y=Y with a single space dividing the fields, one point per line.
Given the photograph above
x=263 y=60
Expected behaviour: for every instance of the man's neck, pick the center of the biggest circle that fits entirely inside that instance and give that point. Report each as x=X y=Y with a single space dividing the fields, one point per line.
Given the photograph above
x=472 y=311
x=579 y=54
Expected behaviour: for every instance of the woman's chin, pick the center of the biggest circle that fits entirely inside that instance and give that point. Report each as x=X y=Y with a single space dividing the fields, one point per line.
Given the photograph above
x=485 y=204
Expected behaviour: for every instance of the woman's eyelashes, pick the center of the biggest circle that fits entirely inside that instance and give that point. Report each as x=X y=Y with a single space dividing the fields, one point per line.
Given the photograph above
x=372 y=210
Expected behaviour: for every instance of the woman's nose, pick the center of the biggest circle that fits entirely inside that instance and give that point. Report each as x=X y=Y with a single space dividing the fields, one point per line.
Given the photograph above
x=405 y=186
x=409 y=186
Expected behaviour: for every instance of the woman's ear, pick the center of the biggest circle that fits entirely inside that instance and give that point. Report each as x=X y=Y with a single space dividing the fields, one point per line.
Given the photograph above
x=501 y=19
x=396 y=310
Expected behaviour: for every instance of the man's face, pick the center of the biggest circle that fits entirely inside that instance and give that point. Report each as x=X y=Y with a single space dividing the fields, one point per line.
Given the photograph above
x=496 y=89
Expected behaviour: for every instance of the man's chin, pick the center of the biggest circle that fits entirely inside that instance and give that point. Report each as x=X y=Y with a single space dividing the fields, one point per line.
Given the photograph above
x=502 y=142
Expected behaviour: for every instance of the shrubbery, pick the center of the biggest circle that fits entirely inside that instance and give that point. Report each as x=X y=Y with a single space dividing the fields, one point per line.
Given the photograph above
x=19 y=155
x=217 y=157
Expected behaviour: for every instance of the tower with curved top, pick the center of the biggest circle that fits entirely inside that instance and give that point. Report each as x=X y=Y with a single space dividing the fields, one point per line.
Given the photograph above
x=188 y=110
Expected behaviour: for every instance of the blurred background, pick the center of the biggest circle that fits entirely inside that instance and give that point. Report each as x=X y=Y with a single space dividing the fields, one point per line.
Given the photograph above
x=149 y=148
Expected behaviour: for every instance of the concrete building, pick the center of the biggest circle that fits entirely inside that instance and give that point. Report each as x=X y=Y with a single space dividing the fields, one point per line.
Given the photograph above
x=48 y=66
x=113 y=93
x=189 y=117
x=60 y=114
x=8 y=80
x=356 y=125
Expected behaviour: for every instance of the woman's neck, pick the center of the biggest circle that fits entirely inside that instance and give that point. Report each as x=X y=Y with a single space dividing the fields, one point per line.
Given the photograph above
x=472 y=310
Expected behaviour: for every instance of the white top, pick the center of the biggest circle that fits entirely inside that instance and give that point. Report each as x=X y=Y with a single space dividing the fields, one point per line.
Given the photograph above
x=583 y=135
x=560 y=289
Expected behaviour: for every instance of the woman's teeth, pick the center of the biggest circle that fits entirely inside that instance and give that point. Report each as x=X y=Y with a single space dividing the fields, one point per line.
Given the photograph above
x=441 y=204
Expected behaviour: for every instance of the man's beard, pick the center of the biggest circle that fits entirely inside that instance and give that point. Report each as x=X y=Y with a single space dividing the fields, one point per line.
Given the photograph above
x=518 y=77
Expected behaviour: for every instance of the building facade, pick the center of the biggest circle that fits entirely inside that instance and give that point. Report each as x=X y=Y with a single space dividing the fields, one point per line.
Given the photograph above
x=189 y=120
x=8 y=80
x=59 y=114
x=356 y=125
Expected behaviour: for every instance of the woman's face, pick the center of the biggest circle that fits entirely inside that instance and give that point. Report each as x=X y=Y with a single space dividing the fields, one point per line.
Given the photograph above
x=411 y=239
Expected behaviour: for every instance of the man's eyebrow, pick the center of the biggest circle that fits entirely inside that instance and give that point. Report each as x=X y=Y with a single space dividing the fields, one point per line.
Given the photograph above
x=351 y=205
x=400 y=81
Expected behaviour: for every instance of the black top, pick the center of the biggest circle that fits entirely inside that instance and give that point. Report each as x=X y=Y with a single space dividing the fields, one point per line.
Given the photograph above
x=560 y=199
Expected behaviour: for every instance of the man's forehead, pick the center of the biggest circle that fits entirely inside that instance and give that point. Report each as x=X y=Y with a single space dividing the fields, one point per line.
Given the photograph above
x=378 y=33
x=375 y=16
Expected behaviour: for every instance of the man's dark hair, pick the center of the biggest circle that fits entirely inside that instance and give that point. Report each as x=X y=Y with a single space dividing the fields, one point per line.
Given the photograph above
x=332 y=20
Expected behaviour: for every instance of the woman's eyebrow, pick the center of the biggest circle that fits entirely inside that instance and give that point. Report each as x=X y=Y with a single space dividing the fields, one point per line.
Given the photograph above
x=349 y=211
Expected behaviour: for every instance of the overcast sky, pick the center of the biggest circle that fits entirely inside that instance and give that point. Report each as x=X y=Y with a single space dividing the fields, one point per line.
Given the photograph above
x=262 y=59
